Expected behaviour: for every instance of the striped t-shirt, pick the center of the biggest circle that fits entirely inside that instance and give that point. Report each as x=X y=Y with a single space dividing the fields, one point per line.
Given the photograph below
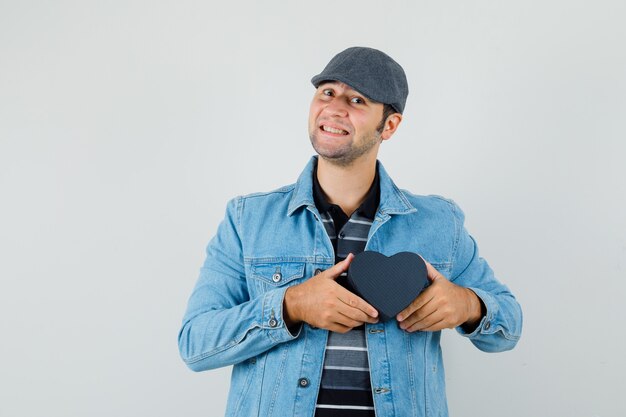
x=346 y=390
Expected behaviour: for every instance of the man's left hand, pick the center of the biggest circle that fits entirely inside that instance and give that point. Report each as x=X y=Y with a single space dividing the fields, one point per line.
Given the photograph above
x=442 y=305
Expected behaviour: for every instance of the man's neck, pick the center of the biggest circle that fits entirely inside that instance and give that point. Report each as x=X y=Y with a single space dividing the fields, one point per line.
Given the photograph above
x=346 y=186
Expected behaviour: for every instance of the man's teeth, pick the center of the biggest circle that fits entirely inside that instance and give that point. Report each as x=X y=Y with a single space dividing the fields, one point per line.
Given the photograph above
x=333 y=130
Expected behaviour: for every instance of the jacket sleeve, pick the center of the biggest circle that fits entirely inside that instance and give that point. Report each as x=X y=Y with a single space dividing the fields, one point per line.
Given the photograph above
x=222 y=325
x=501 y=327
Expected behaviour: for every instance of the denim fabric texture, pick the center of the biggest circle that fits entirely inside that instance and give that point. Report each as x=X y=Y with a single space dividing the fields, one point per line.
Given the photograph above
x=270 y=241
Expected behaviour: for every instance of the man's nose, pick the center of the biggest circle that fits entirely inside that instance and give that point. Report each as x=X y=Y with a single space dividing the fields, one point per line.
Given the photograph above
x=336 y=108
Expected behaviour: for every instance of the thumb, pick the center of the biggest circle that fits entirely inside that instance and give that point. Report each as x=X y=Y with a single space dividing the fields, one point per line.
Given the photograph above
x=432 y=273
x=339 y=268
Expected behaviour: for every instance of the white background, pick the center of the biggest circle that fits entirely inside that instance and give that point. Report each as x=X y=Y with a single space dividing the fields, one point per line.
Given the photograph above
x=125 y=126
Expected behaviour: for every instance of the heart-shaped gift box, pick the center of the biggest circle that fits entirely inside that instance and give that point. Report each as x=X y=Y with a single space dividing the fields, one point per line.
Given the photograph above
x=389 y=284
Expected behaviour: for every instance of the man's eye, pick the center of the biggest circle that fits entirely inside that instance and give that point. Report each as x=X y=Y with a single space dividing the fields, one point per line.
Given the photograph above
x=357 y=100
x=327 y=92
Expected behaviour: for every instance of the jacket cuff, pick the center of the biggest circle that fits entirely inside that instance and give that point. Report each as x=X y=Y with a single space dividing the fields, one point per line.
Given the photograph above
x=486 y=323
x=272 y=317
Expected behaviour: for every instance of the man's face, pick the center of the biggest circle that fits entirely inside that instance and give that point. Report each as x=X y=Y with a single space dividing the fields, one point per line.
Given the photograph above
x=342 y=123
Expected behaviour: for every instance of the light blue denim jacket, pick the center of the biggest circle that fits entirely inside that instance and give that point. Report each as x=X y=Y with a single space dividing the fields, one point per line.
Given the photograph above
x=270 y=241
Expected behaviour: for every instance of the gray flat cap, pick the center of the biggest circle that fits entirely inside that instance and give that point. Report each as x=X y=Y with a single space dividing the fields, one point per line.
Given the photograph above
x=369 y=71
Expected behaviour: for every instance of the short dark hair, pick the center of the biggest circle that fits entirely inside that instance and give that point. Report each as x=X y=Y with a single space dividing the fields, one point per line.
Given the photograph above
x=388 y=110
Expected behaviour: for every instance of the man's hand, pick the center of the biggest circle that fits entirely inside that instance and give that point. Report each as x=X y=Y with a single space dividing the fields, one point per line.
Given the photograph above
x=323 y=303
x=443 y=305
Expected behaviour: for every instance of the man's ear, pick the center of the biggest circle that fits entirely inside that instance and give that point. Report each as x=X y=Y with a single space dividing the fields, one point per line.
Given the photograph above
x=391 y=124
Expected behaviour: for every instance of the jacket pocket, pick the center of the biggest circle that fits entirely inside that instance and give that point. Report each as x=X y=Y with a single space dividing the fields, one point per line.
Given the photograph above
x=243 y=380
x=272 y=275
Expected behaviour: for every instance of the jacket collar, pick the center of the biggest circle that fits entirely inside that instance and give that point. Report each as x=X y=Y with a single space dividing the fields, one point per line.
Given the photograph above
x=392 y=200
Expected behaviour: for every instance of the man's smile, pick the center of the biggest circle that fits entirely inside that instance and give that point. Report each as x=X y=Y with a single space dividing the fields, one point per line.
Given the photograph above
x=333 y=129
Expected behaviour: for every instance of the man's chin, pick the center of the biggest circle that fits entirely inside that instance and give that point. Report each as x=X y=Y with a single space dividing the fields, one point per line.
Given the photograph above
x=339 y=155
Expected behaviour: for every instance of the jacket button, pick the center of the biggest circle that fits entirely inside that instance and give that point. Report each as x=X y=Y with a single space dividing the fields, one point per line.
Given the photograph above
x=317 y=271
x=273 y=323
x=303 y=382
x=342 y=235
x=277 y=277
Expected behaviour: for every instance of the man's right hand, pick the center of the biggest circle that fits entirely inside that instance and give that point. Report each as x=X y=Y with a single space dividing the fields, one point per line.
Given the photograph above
x=322 y=302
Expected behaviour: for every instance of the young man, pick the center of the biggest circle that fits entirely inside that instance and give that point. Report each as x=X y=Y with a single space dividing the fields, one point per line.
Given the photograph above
x=272 y=298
